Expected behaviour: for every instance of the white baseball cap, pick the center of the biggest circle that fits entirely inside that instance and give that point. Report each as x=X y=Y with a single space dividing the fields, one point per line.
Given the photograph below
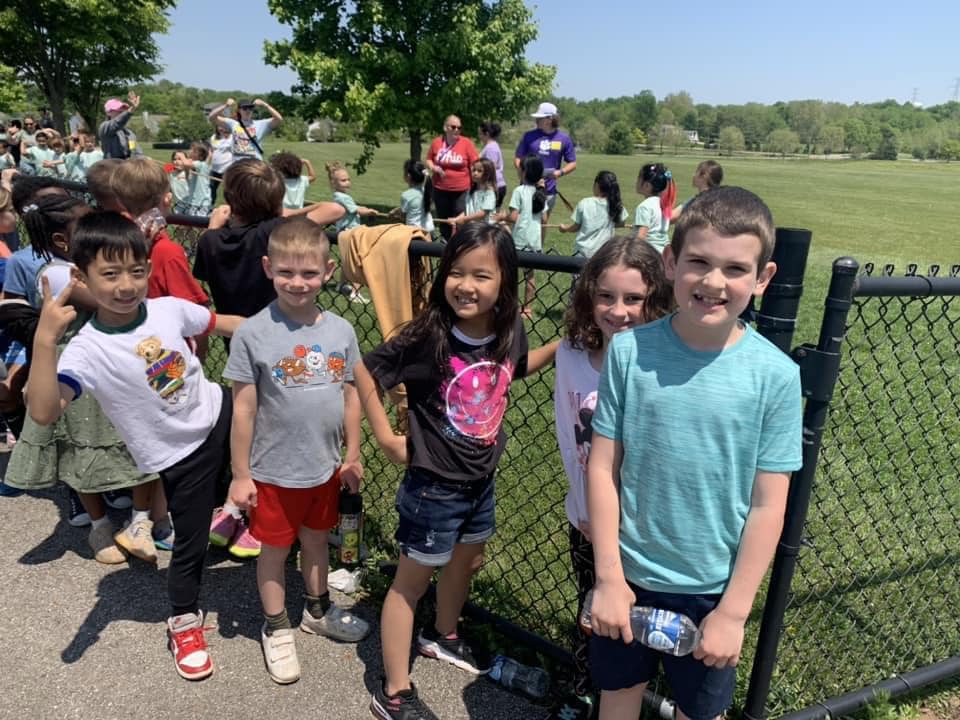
x=545 y=110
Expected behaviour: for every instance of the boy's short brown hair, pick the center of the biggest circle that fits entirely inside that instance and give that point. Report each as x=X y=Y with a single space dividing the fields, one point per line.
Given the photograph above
x=100 y=183
x=140 y=184
x=253 y=190
x=299 y=236
x=730 y=211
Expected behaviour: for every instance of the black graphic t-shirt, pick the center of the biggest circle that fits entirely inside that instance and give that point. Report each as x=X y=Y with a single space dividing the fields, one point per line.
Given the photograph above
x=455 y=412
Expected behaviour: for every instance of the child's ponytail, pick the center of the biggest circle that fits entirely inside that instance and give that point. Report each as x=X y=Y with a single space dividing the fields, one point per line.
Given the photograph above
x=662 y=184
x=609 y=187
x=531 y=168
x=47 y=216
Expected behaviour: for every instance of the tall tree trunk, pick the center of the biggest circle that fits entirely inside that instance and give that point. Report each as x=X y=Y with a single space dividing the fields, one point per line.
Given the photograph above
x=416 y=144
x=55 y=98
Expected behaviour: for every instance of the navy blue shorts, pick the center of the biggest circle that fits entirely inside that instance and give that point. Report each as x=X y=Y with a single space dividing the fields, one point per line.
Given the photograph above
x=701 y=692
x=436 y=514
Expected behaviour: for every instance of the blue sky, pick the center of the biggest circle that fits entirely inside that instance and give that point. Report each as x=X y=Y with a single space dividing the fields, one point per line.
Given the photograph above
x=719 y=52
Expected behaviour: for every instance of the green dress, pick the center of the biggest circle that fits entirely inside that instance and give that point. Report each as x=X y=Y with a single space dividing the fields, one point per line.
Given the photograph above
x=82 y=448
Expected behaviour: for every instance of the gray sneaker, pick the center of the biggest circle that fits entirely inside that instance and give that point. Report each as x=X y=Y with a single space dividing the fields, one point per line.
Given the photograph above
x=336 y=623
x=280 y=655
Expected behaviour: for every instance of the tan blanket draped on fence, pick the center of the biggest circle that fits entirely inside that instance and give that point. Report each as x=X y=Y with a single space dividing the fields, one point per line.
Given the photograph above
x=377 y=256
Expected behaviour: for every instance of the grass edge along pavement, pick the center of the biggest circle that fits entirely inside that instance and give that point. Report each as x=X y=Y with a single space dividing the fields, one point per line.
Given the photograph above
x=919 y=190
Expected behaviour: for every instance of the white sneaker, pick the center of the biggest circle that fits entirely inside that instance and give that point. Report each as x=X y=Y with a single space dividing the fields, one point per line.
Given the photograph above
x=280 y=655
x=336 y=623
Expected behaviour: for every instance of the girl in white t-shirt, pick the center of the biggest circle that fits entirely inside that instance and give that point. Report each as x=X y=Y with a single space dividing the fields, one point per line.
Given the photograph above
x=83 y=448
x=623 y=285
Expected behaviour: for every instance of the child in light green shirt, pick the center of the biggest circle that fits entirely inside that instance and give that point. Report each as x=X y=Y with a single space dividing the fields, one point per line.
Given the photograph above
x=595 y=218
x=526 y=214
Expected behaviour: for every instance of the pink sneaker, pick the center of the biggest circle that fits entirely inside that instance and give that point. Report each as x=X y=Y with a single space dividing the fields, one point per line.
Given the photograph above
x=244 y=545
x=223 y=527
x=188 y=646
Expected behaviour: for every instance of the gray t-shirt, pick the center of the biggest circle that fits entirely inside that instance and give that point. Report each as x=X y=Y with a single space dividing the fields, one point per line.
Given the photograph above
x=299 y=371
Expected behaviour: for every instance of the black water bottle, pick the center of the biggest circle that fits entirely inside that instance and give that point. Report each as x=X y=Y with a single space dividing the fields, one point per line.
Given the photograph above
x=351 y=526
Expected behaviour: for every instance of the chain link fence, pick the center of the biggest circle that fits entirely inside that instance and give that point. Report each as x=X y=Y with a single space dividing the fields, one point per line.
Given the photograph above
x=871 y=581
x=877 y=576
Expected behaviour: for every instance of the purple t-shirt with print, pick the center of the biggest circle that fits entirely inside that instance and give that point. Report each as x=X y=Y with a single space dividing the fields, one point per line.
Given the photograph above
x=554 y=149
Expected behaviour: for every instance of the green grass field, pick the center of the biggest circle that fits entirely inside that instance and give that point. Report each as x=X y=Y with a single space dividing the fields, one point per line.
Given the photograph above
x=876 y=586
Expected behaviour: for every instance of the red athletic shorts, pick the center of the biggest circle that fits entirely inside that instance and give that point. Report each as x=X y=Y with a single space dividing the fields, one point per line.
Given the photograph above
x=281 y=512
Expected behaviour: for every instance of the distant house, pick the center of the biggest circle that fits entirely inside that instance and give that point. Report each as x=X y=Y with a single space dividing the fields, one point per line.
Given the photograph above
x=692 y=136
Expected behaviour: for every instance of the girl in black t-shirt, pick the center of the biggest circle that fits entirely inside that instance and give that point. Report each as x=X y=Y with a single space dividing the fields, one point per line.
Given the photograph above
x=457 y=360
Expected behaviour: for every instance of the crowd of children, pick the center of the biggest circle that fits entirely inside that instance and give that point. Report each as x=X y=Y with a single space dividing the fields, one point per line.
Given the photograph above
x=654 y=361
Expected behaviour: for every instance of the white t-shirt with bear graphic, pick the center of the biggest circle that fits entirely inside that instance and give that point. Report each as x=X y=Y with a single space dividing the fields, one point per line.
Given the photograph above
x=147 y=380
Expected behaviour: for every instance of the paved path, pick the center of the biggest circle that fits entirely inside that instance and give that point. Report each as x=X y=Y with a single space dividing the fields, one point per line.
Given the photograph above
x=86 y=641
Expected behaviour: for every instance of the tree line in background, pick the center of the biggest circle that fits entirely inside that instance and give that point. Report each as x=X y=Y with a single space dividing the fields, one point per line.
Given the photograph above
x=392 y=70
x=880 y=130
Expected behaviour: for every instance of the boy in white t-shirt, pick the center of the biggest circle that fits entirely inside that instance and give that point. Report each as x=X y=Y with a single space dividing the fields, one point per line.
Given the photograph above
x=133 y=358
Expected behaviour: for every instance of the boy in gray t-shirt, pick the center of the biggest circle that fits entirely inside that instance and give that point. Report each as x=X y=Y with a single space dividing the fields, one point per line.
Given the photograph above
x=295 y=405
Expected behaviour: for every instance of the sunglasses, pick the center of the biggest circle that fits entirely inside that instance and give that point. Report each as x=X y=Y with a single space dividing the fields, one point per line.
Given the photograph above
x=453 y=127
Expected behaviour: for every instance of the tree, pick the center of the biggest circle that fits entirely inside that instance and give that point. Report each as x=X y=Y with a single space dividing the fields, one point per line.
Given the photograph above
x=78 y=51
x=830 y=139
x=889 y=145
x=730 y=140
x=620 y=140
x=592 y=135
x=782 y=141
x=12 y=93
x=406 y=64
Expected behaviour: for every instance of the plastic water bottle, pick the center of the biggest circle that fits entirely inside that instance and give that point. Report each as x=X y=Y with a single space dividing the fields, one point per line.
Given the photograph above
x=664 y=630
x=532 y=681
x=351 y=526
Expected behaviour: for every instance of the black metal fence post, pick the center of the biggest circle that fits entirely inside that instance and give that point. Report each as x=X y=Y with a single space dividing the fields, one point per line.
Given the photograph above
x=777 y=318
x=819 y=368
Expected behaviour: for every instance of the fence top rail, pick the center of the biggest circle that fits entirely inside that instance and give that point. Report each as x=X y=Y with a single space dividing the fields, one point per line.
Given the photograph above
x=914 y=286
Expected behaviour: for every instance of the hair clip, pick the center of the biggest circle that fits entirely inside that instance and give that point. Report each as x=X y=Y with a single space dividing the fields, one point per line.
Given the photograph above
x=26 y=209
x=668 y=175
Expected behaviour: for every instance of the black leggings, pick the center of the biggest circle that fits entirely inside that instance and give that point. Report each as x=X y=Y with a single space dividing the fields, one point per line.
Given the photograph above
x=191 y=487
x=581 y=555
x=448 y=204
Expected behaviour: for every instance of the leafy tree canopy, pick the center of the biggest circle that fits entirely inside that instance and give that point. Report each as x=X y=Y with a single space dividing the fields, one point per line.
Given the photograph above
x=406 y=64
x=81 y=50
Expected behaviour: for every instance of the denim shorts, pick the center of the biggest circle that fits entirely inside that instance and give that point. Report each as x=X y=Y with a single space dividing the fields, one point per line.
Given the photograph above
x=701 y=692
x=436 y=514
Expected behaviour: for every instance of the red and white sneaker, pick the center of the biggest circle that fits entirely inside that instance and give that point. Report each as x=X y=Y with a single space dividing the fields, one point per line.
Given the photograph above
x=244 y=545
x=188 y=646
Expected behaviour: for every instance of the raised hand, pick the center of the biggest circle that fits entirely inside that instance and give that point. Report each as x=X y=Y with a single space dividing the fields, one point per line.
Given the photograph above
x=55 y=314
x=133 y=99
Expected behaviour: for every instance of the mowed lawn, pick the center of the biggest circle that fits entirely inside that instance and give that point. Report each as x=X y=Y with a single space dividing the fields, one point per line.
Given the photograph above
x=876 y=211
x=882 y=533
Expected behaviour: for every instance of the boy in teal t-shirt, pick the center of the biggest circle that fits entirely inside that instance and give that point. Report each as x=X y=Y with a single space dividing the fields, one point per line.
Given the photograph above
x=696 y=431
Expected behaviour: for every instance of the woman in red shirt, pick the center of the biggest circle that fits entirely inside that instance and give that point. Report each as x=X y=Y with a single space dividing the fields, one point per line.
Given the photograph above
x=450 y=159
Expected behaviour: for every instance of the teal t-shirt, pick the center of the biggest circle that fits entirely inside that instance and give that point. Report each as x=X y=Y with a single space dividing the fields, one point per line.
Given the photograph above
x=78 y=164
x=592 y=214
x=526 y=230
x=485 y=200
x=295 y=192
x=695 y=428
x=351 y=219
x=37 y=157
x=198 y=188
x=411 y=205
x=650 y=216
x=180 y=187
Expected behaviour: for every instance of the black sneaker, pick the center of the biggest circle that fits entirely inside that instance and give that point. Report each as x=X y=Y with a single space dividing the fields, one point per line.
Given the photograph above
x=573 y=707
x=118 y=499
x=453 y=650
x=77 y=516
x=405 y=705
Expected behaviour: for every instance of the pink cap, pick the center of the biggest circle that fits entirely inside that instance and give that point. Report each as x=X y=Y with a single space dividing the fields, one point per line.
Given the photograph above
x=113 y=105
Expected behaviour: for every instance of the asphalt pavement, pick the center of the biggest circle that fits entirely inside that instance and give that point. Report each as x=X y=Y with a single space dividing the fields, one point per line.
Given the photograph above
x=87 y=641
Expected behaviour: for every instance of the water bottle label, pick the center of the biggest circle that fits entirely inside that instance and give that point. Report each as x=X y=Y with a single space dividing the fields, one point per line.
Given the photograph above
x=663 y=630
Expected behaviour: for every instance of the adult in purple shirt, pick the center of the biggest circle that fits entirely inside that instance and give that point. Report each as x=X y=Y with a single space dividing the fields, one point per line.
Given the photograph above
x=553 y=147
x=489 y=134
